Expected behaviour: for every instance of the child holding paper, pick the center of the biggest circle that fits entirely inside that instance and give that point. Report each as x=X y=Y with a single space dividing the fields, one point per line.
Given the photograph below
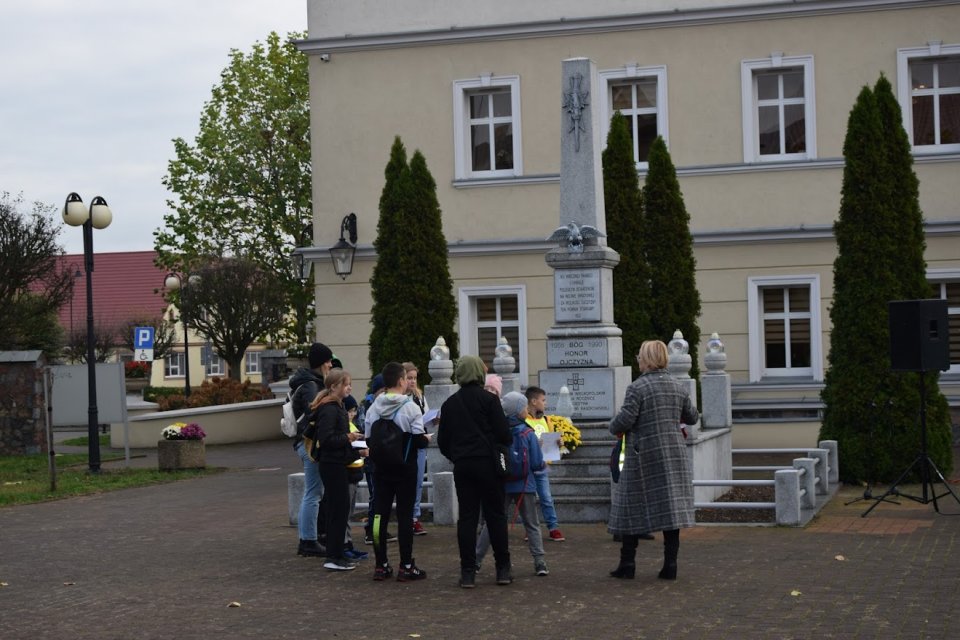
x=536 y=406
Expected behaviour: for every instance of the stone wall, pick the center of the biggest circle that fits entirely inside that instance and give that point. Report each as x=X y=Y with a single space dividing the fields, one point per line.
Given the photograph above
x=22 y=427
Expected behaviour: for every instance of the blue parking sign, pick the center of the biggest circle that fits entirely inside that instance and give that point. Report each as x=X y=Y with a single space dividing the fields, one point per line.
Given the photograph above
x=143 y=337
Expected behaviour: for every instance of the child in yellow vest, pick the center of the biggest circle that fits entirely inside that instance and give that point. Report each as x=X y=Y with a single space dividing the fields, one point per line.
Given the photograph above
x=536 y=406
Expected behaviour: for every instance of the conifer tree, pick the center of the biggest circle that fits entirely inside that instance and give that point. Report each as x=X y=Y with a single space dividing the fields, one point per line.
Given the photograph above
x=870 y=410
x=414 y=303
x=624 y=217
x=668 y=245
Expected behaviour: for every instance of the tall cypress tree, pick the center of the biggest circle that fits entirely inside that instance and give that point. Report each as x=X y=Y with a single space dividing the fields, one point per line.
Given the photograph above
x=624 y=216
x=674 y=299
x=383 y=281
x=411 y=283
x=870 y=410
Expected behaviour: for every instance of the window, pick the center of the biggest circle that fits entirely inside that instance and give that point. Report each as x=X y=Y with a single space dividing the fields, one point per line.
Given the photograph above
x=784 y=327
x=486 y=313
x=947 y=287
x=212 y=363
x=251 y=361
x=640 y=94
x=486 y=113
x=778 y=109
x=928 y=86
x=173 y=365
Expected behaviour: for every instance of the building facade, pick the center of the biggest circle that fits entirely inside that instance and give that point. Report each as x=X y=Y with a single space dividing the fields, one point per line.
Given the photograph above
x=752 y=99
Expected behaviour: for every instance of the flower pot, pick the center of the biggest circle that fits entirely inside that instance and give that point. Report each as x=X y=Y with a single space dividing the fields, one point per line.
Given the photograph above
x=135 y=385
x=173 y=455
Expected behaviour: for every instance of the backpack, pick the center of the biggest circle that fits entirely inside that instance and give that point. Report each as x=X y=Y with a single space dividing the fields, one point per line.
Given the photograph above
x=289 y=423
x=389 y=444
x=519 y=467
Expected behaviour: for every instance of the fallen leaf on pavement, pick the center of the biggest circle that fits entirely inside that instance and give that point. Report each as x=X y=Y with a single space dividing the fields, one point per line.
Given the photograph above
x=840 y=558
x=234 y=605
x=795 y=593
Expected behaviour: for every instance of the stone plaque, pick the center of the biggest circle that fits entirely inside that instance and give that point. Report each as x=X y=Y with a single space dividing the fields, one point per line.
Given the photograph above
x=591 y=390
x=577 y=352
x=577 y=295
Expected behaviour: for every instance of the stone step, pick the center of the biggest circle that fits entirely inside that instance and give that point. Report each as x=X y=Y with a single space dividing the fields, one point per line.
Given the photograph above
x=582 y=509
x=593 y=448
x=586 y=487
x=578 y=466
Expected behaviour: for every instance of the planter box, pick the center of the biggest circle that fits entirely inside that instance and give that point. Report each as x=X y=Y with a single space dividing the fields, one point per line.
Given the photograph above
x=135 y=385
x=173 y=455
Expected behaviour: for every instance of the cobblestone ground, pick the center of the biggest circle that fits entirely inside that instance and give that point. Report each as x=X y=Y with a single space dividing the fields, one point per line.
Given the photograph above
x=166 y=561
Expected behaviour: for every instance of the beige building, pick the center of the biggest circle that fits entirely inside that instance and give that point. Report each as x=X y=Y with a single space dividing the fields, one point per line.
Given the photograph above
x=752 y=98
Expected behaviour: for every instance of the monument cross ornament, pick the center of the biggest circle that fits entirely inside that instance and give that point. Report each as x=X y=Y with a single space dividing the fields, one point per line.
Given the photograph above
x=574 y=102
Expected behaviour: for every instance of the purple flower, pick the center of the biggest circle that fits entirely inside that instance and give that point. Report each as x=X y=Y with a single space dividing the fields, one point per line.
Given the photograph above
x=192 y=431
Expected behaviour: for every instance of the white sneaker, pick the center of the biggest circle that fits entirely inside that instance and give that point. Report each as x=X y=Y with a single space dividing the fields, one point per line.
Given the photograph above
x=341 y=564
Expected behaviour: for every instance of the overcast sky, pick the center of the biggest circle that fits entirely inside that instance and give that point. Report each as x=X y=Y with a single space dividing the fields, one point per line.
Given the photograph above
x=93 y=92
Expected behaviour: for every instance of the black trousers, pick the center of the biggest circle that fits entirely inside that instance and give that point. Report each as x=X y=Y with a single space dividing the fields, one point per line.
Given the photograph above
x=390 y=484
x=479 y=489
x=336 y=503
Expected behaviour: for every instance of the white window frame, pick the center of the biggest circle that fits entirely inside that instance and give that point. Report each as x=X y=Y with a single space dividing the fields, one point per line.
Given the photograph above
x=251 y=362
x=748 y=87
x=461 y=125
x=467 y=313
x=940 y=276
x=905 y=92
x=169 y=366
x=633 y=72
x=758 y=370
x=213 y=364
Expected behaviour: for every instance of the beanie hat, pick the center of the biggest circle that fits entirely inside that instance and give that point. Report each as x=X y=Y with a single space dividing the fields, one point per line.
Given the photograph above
x=349 y=403
x=469 y=370
x=319 y=354
x=336 y=362
x=513 y=403
x=376 y=384
x=495 y=381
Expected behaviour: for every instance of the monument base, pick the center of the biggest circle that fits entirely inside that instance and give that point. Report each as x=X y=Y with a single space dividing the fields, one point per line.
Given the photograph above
x=596 y=393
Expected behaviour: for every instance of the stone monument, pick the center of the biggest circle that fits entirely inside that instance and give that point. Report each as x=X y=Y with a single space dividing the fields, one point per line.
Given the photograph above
x=584 y=346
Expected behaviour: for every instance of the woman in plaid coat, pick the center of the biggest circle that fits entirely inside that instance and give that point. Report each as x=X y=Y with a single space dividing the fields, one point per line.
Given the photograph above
x=655 y=491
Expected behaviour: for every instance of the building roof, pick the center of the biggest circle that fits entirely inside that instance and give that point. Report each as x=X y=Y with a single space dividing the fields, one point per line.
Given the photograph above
x=125 y=285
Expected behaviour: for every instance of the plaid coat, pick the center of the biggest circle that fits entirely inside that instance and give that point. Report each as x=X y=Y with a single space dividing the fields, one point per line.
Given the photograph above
x=655 y=491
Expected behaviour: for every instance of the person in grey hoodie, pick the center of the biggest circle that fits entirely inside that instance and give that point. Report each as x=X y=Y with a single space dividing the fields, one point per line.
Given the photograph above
x=305 y=384
x=399 y=482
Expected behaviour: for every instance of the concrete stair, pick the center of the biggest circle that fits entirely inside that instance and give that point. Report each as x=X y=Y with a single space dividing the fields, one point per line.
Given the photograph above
x=580 y=482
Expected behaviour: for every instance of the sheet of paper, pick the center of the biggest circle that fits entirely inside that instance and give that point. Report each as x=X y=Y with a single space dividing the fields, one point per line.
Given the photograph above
x=359 y=444
x=550 y=445
x=430 y=417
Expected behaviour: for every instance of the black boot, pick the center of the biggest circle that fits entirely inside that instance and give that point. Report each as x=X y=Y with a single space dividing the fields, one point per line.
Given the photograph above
x=671 y=545
x=628 y=554
x=311 y=548
x=504 y=576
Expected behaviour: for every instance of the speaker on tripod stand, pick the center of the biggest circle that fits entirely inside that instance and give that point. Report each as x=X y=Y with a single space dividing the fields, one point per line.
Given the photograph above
x=875 y=413
x=919 y=343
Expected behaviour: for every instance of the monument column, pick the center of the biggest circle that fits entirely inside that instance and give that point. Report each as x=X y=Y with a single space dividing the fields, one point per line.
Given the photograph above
x=584 y=346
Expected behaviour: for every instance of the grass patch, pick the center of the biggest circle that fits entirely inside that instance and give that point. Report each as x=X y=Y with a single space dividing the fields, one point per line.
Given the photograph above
x=26 y=479
x=82 y=441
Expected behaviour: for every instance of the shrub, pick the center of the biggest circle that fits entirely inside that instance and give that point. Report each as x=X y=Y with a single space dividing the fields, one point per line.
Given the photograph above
x=212 y=393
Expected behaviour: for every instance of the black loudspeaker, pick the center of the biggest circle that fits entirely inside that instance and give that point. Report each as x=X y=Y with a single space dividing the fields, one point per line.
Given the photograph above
x=919 y=335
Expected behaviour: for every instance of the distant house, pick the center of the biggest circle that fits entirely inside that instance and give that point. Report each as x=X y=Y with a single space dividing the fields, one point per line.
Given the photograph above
x=128 y=285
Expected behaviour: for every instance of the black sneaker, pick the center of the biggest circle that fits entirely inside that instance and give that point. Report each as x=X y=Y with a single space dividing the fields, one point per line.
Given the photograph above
x=468 y=579
x=339 y=564
x=410 y=572
x=504 y=576
x=311 y=548
x=382 y=573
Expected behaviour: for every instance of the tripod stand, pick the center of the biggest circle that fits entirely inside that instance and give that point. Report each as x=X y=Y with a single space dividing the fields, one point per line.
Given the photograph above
x=925 y=465
x=868 y=491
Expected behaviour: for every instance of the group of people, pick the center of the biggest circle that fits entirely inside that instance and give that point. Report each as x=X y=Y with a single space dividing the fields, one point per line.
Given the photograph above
x=654 y=490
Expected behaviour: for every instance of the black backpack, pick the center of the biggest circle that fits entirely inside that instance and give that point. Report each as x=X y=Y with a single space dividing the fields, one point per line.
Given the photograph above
x=389 y=444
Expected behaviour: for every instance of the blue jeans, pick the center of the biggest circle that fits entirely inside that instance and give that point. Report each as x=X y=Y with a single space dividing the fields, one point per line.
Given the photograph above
x=312 y=493
x=546 y=499
x=421 y=469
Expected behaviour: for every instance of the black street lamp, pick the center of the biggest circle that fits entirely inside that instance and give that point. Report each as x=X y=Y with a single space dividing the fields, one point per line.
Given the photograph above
x=174 y=282
x=342 y=253
x=99 y=216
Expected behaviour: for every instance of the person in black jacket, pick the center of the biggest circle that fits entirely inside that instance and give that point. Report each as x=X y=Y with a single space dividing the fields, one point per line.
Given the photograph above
x=305 y=384
x=471 y=421
x=335 y=444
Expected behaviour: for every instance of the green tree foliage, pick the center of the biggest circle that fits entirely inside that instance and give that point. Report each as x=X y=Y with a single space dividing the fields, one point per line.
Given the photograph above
x=870 y=410
x=233 y=303
x=625 y=226
x=674 y=299
x=33 y=287
x=243 y=188
x=413 y=301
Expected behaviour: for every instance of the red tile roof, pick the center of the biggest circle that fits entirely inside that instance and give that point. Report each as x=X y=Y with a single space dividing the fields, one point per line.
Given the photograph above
x=123 y=287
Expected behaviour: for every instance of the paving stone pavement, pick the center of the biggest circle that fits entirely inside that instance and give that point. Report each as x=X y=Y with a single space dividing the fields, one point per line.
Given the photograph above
x=166 y=561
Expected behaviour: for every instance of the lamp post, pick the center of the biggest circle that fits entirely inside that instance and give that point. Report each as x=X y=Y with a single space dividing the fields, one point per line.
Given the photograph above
x=342 y=253
x=99 y=216
x=174 y=282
